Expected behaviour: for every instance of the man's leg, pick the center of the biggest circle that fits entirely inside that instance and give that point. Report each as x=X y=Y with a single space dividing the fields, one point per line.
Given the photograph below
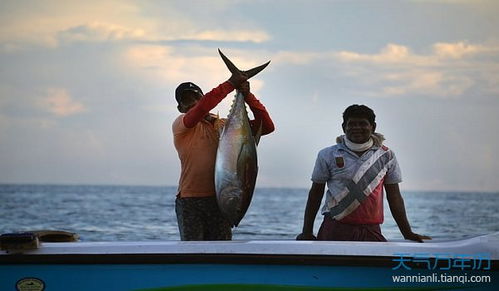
x=189 y=219
x=217 y=226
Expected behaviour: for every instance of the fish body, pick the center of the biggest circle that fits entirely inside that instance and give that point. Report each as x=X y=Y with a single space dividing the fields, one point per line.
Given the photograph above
x=236 y=165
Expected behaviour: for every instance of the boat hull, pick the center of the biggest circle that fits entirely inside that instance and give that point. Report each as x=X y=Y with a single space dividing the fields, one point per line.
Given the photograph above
x=264 y=265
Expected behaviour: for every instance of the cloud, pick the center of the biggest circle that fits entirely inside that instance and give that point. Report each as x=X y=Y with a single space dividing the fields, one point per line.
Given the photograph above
x=198 y=64
x=55 y=23
x=166 y=64
x=33 y=23
x=256 y=36
x=392 y=53
x=59 y=102
x=447 y=72
x=297 y=58
x=429 y=83
x=461 y=49
x=395 y=54
x=99 y=31
x=169 y=66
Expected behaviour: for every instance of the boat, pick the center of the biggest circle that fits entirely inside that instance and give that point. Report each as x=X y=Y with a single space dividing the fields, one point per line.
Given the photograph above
x=465 y=264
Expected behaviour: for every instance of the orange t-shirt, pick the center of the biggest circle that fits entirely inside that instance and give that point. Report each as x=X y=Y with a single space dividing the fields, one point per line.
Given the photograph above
x=197 y=150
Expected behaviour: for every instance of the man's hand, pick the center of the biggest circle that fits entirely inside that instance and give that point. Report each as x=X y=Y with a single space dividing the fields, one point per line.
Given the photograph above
x=306 y=236
x=313 y=203
x=245 y=88
x=237 y=79
x=416 y=237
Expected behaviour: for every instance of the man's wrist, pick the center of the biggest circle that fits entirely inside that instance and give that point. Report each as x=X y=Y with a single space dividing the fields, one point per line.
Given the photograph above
x=230 y=83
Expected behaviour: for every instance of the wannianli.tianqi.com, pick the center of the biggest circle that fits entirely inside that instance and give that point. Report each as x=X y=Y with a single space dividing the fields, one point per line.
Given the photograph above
x=447 y=268
x=441 y=278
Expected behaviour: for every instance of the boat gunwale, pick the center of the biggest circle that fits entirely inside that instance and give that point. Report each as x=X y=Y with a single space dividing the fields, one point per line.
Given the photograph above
x=250 y=252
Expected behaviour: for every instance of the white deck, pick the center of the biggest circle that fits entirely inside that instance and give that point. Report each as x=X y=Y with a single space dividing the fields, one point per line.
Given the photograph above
x=486 y=244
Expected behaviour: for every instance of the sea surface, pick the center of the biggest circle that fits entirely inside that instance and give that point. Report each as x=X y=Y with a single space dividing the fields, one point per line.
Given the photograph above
x=140 y=213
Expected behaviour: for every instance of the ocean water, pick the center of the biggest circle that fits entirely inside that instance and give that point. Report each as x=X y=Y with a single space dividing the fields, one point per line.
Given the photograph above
x=139 y=213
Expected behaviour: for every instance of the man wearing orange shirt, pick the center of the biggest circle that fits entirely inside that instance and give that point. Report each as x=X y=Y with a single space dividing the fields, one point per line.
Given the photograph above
x=196 y=135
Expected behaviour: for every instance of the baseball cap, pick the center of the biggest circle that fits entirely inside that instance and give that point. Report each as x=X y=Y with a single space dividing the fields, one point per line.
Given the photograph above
x=186 y=86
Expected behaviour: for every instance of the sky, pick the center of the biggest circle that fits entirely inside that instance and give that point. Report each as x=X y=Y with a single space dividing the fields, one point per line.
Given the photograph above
x=87 y=87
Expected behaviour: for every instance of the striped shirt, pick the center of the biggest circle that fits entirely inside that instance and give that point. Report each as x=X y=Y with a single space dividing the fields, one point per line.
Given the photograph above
x=355 y=184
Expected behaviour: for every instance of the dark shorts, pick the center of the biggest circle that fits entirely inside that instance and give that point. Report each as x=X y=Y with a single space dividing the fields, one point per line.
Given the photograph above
x=201 y=219
x=334 y=230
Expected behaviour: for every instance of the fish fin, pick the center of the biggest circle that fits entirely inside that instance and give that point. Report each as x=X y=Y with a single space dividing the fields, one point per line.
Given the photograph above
x=251 y=72
x=233 y=69
x=230 y=65
x=220 y=131
x=221 y=127
x=258 y=134
x=240 y=164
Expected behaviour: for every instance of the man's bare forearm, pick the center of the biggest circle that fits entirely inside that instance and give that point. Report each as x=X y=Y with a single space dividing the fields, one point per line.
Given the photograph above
x=313 y=204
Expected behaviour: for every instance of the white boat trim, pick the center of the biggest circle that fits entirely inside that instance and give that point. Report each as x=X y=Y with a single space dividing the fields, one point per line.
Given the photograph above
x=486 y=244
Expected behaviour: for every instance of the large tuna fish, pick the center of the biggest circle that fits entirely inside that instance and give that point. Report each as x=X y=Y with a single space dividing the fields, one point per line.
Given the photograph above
x=236 y=164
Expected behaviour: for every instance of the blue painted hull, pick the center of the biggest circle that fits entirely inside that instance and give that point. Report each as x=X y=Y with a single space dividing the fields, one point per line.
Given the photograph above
x=250 y=265
x=157 y=276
